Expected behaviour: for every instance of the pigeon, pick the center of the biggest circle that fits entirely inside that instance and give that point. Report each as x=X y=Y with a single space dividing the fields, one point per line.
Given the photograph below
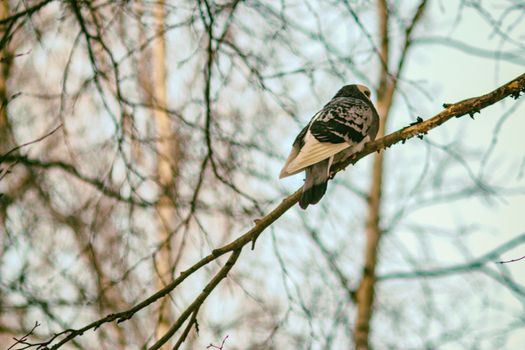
x=334 y=134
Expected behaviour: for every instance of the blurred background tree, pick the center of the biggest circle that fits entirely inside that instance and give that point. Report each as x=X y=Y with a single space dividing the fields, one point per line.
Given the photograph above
x=174 y=118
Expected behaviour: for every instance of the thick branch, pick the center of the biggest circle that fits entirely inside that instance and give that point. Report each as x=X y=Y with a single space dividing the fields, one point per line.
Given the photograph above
x=195 y=306
x=469 y=106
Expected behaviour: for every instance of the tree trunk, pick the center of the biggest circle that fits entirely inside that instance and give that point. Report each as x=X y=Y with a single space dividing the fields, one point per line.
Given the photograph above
x=385 y=93
x=167 y=167
x=366 y=289
x=6 y=141
x=6 y=137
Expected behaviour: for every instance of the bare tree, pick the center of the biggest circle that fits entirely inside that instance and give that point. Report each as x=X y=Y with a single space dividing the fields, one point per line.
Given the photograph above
x=146 y=214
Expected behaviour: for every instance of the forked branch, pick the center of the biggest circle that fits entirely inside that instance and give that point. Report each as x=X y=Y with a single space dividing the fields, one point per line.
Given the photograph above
x=459 y=109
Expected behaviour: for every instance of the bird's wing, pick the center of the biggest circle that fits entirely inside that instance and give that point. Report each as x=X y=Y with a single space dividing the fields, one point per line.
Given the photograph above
x=342 y=123
x=312 y=152
x=297 y=146
x=344 y=119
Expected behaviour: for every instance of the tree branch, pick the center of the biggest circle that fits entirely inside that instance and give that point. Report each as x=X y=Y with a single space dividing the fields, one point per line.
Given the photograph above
x=71 y=170
x=465 y=107
x=27 y=12
x=194 y=307
x=459 y=109
x=476 y=264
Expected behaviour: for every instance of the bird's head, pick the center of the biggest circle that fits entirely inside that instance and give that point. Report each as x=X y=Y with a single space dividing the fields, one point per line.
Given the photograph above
x=354 y=90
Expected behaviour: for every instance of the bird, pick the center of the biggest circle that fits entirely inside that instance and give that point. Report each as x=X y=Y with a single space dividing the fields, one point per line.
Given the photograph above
x=339 y=130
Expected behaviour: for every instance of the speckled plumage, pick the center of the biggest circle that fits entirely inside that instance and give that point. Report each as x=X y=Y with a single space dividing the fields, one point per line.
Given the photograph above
x=337 y=131
x=344 y=119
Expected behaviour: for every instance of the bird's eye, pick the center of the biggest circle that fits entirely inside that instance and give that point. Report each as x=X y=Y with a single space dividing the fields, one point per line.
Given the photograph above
x=367 y=93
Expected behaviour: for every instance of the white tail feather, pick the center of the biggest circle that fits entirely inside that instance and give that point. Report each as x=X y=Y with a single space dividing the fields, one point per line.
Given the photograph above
x=312 y=152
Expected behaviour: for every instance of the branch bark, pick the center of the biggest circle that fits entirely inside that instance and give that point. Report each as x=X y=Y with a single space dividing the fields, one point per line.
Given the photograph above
x=194 y=307
x=459 y=109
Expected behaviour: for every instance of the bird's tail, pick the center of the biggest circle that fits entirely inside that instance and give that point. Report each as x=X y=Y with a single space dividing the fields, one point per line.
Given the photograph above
x=315 y=184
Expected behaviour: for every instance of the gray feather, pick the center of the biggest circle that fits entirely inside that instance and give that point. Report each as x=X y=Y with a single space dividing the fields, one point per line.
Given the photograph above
x=334 y=134
x=315 y=183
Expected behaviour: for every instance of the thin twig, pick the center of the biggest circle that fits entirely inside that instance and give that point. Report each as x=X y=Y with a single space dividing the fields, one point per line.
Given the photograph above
x=459 y=268
x=23 y=340
x=218 y=347
x=30 y=142
x=511 y=261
